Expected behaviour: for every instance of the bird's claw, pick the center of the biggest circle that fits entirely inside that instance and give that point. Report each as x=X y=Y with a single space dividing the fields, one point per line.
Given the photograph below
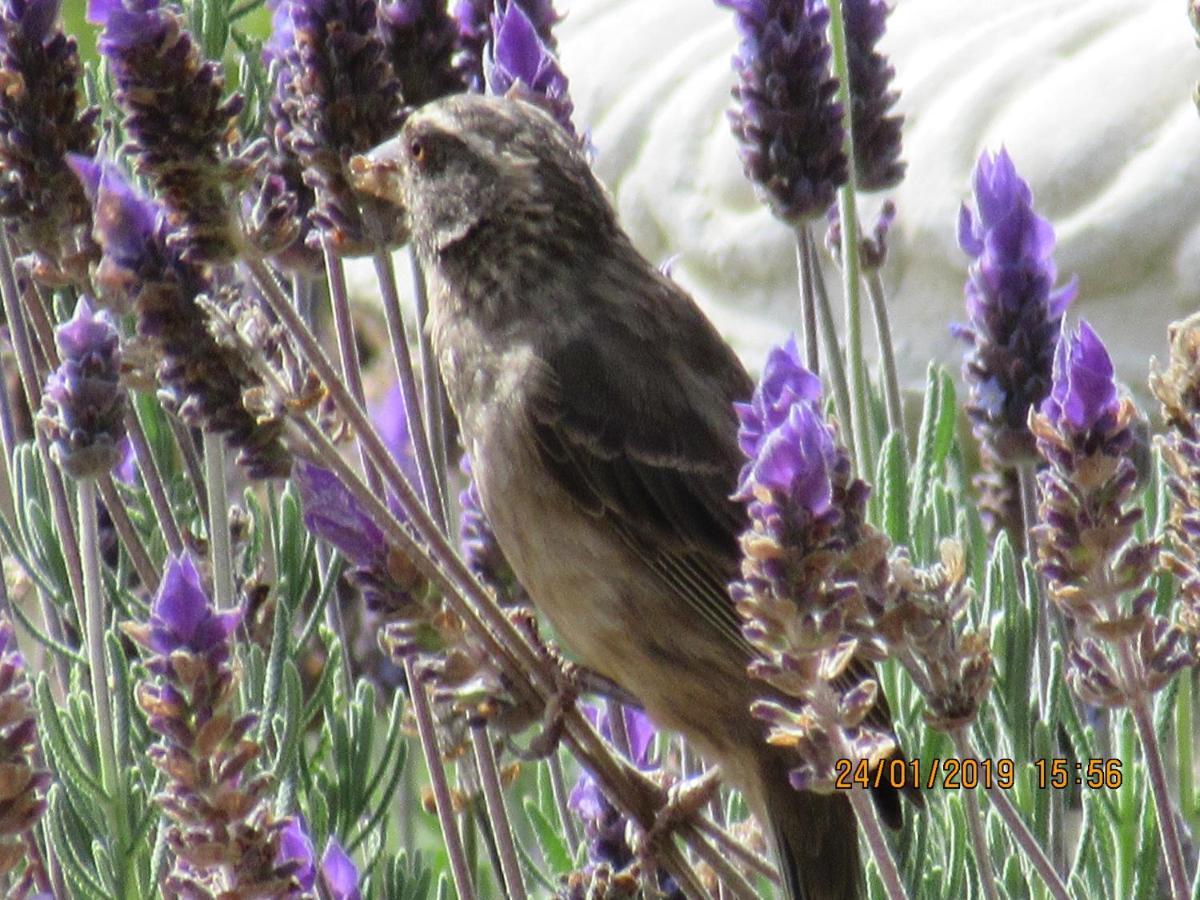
x=555 y=715
x=684 y=801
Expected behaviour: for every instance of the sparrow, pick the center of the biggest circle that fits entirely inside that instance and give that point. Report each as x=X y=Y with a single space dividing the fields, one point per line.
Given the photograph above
x=596 y=403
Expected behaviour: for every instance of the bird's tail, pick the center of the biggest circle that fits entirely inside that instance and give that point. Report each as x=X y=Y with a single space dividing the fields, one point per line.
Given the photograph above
x=816 y=841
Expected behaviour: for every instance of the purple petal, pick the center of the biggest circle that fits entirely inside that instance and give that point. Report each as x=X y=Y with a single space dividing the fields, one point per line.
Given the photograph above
x=339 y=875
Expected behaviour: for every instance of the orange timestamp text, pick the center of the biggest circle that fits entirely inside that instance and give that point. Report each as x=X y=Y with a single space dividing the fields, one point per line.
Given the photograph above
x=968 y=774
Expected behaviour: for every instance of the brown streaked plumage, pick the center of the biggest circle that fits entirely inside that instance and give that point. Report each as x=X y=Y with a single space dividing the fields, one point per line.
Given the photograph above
x=596 y=402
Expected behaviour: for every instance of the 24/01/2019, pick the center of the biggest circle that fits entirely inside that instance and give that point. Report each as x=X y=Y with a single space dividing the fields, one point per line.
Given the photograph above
x=956 y=774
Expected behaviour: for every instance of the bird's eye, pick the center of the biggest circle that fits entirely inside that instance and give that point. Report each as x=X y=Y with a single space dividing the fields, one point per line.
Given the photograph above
x=418 y=151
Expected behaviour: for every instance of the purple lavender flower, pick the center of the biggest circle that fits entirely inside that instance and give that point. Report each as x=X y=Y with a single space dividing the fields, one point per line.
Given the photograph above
x=786 y=121
x=388 y=582
x=296 y=853
x=23 y=786
x=877 y=160
x=813 y=574
x=1083 y=394
x=604 y=826
x=83 y=405
x=474 y=20
x=1015 y=311
x=218 y=808
x=160 y=71
x=518 y=62
x=1096 y=571
x=40 y=123
x=201 y=380
x=343 y=98
x=420 y=37
x=339 y=875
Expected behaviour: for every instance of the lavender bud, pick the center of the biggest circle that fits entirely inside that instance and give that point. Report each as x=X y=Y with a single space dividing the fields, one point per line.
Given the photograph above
x=420 y=37
x=1014 y=309
x=343 y=99
x=474 y=21
x=877 y=163
x=518 y=63
x=40 y=123
x=22 y=785
x=219 y=811
x=83 y=405
x=787 y=122
x=296 y=855
x=339 y=875
x=190 y=158
x=200 y=379
x=388 y=582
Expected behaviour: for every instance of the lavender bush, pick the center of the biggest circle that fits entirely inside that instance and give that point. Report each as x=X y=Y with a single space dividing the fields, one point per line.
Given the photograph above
x=305 y=669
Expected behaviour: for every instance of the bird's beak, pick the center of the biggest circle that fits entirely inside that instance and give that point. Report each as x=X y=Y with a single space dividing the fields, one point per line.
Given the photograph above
x=377 y=172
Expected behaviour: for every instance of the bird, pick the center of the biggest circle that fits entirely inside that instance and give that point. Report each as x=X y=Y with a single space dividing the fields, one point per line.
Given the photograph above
x=596 y=403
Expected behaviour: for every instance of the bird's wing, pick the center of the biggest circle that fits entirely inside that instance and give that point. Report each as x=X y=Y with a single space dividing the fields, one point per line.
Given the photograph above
x=648 y=445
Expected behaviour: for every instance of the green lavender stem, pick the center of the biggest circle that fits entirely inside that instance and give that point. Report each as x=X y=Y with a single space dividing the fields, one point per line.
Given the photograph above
x=811 y=267
x=433 y=392
x=851 y=278
x=154 y=483
x=94 y=605
x=1168 y=828
x=808 y=305
x=887 y=360
x=1016 y=825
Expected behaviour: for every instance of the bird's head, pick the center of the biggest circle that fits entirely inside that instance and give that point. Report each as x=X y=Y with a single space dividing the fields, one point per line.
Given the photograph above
x=467 y=163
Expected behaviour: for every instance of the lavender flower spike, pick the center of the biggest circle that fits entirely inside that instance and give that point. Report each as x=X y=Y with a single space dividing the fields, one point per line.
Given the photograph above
x=40 y=123
x=786 y=121
x=1014 y=308
x=159 y=72
x=518 y=63
x=420 y=37
x=83 y=405
x=343 y=98
x=222 y=830
x=877 y=163
x=22 y=786
x=813 y=576
x=1096 y=571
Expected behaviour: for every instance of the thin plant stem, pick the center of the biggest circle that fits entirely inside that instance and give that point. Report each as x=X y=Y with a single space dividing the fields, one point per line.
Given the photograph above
x=848 y=212
x=435 y=558
x=616 y=726
x=131 y=540
x=60 y=509
x=192 y=466
x=833 y=352
x=154 y=483
x=433 y=391
x=1027 y=479
x=343 y=326
x=1168 y=828
x=93 y=599
x=726 y=843
x=220 y=549
x=868 y=820
x=887 y=359
x=420 y=427
x=1184 y=745
x=493 y=798
x=983 y=859
x=558 y=787
x=8 y=441
x=459 y=869
x=1016 y=826
x=808 y=307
